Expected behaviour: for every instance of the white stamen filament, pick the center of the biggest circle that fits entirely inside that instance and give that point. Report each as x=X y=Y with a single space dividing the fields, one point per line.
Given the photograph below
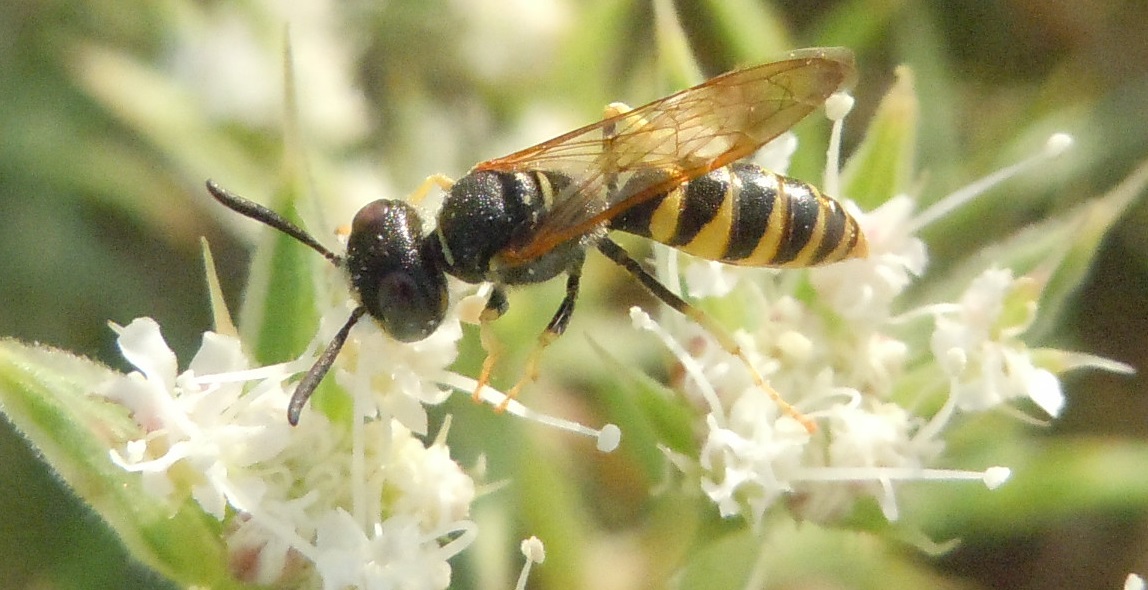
x=607 y=438
x=642 y=320
x=836 y=108
x=535 y=553
x=1056 y=145
x=992 y=477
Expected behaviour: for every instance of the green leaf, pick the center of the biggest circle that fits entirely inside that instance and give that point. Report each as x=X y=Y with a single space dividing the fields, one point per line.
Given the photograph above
x=279 y=318
x=221 y=322
x=1059 y=479
x=678 y=67
x=754 y=31
x=649 y=414
x=1089 y=225
x=882 y=166
x=48 y=396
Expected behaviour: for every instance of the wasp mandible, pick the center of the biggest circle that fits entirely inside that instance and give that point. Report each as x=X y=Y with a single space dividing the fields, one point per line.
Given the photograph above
x=668 y=171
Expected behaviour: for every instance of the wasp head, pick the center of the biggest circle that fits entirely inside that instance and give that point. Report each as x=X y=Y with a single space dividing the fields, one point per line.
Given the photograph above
x=397 y=275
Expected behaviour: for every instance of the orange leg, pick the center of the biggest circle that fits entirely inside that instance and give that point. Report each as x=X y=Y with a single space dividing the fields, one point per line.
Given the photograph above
x=423 y=189
x=553 y=330
x=496 y=305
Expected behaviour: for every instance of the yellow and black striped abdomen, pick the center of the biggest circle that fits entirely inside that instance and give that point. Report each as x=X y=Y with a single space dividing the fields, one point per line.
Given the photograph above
x=747 y=216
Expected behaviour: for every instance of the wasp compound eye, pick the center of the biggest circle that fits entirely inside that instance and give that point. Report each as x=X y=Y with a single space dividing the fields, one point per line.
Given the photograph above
x=401 y=284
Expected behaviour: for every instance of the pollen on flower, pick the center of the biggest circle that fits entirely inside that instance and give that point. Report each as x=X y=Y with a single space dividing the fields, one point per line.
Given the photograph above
x=534 y=552
x=838 y=106
x=995 y=477
x=1057 y=144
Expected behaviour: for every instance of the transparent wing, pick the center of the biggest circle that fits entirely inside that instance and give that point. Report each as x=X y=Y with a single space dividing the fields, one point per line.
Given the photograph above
x=681 y=136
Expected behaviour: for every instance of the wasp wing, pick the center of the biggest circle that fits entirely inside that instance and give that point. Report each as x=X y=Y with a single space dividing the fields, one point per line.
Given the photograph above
x=681 y=136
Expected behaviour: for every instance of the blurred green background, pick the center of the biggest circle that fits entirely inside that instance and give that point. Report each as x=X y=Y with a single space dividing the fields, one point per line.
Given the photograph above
x=101 y=205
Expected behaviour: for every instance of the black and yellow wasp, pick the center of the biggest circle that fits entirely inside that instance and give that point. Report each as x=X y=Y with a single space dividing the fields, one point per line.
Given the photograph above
x=668 y=171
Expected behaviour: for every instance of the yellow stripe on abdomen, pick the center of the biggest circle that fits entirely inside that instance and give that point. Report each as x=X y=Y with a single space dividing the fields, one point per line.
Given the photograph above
x=713 y=239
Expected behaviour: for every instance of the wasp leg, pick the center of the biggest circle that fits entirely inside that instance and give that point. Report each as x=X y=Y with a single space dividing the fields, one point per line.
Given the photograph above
x=496 y=306
x=554 y=329
x=620 y=257
x=442 y=181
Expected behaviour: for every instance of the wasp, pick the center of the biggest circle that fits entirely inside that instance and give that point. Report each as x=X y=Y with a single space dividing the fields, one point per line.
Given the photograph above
x=669 y=171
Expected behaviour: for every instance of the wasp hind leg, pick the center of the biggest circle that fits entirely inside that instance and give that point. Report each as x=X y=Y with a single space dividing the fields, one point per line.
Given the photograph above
x=623 y=259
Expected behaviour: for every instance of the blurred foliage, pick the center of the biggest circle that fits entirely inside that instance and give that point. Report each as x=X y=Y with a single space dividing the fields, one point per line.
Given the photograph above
x=102 y=206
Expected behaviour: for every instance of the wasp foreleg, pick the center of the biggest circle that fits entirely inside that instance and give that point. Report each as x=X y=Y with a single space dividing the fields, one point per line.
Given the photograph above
x=442 y=181
x=496 y=306
x=622 y=258
x=554 y=329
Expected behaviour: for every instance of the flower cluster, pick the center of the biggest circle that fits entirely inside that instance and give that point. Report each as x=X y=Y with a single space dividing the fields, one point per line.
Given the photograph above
x=840 y=344
x=368 y=505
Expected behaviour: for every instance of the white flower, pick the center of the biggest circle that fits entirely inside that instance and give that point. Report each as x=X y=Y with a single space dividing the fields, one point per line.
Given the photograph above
x=748 y=465
x=400 y=385
x=863 y=290
x=373 y=500
x=393 y=554
x=842 y=353
x=980 y=350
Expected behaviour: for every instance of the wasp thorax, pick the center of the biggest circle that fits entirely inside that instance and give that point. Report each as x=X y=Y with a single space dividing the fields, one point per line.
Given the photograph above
x=480 y=216
x=397 y=279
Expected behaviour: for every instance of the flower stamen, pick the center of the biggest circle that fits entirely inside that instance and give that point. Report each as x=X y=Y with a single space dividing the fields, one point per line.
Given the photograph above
x=1057 y=144
x=607 y=438
x=534 y=552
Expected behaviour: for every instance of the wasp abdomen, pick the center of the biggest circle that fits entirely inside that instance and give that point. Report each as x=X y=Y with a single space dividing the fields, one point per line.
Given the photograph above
x=743 y=215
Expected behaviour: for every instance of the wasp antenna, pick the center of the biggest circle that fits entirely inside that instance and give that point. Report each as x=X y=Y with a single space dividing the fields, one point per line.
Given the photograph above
x=319 y=370
x=268 y=217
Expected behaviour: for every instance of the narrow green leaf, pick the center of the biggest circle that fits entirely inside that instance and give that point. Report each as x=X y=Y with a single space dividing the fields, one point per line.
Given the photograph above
x=1058 y=252
x=1061 y=479
x=883 y=164
x=48 y=396
x=593 y=66
x=1091 y=224
x=278 y=318
x=678 y=68
x=221 y=322
x=752 y=28
x=648 y=413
